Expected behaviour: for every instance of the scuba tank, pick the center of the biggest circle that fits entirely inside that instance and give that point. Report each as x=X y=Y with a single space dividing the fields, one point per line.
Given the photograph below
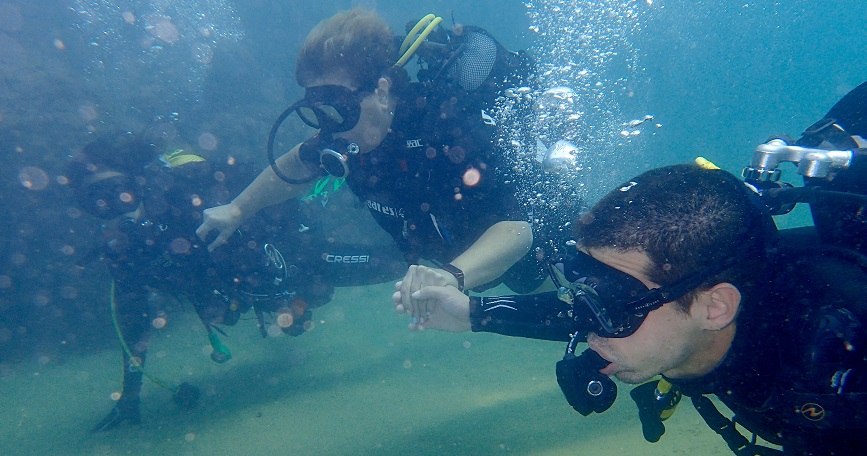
x=466 y=56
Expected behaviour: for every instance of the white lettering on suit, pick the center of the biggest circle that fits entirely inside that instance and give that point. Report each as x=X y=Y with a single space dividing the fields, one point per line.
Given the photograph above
x=383 y=209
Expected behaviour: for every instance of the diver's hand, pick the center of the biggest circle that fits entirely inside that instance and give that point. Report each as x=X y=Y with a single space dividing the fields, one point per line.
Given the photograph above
x=447 y=308
x=125 y=410
x=415 y=279
x=225 y=219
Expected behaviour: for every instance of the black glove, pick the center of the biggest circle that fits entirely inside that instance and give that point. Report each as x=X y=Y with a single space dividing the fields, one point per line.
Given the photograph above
x=125 y=410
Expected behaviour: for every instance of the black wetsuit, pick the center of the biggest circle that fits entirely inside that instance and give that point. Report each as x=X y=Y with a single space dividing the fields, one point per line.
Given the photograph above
x=437 y=181
x=160 y=251
x=796 y=373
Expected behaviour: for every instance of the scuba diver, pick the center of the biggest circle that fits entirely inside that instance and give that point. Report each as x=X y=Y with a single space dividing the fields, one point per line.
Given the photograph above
x=151 y=207
x=421 y=155
x=681 y=273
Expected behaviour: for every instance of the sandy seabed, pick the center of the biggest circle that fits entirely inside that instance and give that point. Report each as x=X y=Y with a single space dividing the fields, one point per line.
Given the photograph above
x=358 y=383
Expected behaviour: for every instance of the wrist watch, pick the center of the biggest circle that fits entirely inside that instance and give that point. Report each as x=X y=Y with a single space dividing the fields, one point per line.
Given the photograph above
x=459 y=275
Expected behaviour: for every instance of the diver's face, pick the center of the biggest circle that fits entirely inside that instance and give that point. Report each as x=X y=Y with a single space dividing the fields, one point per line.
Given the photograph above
x=375 y=117
x=668 y=342
x=110 y=195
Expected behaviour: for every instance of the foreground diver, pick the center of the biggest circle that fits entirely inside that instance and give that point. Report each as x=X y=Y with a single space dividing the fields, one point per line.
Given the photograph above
x=681 y=272
x=420 y=155
x=672 y=277
x=151 y=209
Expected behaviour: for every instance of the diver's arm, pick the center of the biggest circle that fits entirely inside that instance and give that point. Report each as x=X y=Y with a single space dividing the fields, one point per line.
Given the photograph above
x=496 y=250
x=537 y=316
x=267 y=189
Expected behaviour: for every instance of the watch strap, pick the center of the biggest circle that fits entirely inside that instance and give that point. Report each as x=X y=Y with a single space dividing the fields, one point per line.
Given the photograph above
x=455 y=271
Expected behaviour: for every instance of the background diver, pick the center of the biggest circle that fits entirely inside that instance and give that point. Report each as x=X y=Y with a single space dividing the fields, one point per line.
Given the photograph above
x=150 y=206
x=423 y=156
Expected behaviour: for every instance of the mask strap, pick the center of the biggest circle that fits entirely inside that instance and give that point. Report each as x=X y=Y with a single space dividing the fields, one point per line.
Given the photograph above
x=565 y=291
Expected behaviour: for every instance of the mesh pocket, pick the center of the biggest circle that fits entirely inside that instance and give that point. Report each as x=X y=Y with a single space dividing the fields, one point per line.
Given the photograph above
x=475 y=63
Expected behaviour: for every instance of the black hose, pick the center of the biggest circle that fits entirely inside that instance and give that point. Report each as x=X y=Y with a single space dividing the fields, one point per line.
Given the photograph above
x=271 y=136
x=809 y=195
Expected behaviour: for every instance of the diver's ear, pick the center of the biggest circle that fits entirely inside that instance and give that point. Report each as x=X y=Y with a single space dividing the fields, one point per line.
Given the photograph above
x=720 y=306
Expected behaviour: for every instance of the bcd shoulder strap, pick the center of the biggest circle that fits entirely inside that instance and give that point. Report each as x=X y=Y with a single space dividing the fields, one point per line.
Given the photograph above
x=727 y=429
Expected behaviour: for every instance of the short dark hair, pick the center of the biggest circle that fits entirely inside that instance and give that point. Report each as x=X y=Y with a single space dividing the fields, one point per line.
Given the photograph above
x=686 y=219
x=355 y=43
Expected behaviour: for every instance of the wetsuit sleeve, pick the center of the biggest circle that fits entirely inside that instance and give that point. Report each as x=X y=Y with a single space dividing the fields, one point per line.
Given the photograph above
x=539 y=316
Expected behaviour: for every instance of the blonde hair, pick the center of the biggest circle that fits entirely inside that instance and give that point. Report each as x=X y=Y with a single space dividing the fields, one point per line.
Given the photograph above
x=356 y=44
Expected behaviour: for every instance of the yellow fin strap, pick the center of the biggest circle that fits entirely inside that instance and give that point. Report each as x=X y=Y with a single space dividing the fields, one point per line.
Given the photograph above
x=407 y=50
x=705 y=163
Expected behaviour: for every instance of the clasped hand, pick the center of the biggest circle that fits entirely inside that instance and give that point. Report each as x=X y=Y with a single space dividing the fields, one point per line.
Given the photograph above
x=225 y=219
x=432 y=299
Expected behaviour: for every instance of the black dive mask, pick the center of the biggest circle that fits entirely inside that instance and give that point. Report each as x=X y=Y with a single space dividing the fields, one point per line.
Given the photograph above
x=331 y=108
x=618 y=302
x=111 y=196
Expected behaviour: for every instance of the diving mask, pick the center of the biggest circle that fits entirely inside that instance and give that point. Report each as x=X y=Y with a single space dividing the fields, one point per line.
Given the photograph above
x=109 y=194
x=618 y=302
x=331 y=108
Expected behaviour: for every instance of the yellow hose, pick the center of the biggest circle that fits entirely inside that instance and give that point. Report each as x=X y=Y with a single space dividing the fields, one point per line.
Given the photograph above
x=429 y=23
